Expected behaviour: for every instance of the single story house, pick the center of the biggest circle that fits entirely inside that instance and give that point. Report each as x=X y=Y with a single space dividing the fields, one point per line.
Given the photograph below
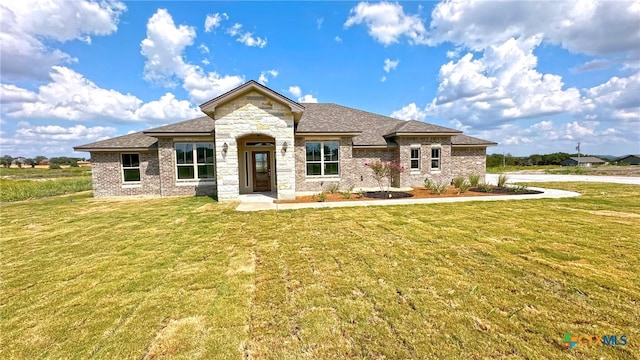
x=633 y=159
x=253 y=139
x=582 y=161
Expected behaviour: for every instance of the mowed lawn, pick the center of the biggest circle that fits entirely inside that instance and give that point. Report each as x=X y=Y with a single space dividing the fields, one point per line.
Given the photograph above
x=190 y=278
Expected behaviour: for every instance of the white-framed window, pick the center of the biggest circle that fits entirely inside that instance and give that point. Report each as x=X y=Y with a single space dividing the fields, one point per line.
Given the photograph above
x=194 y=161
x=322 y=158
x=130 y=168
x=435 y=158
x=415 y=159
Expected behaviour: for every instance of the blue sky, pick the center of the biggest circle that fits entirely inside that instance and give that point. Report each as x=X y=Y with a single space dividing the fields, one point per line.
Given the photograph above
x=536 y=77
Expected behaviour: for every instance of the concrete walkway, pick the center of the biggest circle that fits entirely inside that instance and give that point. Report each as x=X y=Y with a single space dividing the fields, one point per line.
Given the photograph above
x=258 y=202
x=527 y=178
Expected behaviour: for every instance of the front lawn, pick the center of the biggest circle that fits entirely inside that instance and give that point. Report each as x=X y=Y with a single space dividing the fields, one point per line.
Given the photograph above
x=191 y=278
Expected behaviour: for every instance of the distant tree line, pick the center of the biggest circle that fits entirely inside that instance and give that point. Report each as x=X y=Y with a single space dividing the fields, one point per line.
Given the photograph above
x=7 y=160
x=496 y=160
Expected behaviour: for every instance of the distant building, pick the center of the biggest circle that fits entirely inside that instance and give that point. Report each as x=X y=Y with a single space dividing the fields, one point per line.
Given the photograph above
x=583 y=161
x=628 y=160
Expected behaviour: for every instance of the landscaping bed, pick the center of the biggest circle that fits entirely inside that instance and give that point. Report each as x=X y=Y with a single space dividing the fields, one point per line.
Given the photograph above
x=415 y=193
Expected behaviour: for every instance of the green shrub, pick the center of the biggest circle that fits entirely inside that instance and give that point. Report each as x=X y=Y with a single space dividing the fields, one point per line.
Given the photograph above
x=458 y=181
x=464 y=187
x=54 y=166
x=438 y=188
x=502 y=180
x=428 y=183
x=346 y=194
x=360 y=194
x=333 y=188
x=485 y=188
x=520 y=188
x=474 y=180
x=320 y=197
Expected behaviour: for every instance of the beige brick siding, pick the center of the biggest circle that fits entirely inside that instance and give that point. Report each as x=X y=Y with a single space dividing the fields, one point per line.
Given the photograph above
x=167 y=160
x=453 y=162
x=469 y=161
x=106 y=169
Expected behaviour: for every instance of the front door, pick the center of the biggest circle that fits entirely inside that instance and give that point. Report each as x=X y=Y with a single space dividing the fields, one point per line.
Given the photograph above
x=261 y=171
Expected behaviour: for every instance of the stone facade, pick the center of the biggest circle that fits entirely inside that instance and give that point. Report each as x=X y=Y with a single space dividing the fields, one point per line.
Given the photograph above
x=253 y=113
x=106 y=170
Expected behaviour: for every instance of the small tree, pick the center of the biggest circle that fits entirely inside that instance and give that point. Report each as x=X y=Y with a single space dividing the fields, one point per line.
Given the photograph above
x=39 y=159
x=6 y=161
x=31 y=162
x=385 y=172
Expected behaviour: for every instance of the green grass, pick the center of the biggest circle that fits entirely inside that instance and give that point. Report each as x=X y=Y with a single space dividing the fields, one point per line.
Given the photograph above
x=43 y=173
x=512 y=168
x=15 y=190
x=190 y=278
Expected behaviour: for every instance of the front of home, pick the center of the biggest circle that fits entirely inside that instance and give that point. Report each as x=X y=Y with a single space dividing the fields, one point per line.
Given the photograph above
x=253 y=139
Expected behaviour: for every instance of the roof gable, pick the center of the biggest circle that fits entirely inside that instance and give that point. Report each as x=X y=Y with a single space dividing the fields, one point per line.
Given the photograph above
x=210 y=106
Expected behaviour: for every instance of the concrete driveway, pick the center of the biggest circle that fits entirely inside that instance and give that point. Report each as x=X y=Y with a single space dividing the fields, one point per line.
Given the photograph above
x=529 y=178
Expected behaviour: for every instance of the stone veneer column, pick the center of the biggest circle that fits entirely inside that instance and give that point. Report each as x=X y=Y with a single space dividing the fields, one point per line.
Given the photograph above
x=253 y=114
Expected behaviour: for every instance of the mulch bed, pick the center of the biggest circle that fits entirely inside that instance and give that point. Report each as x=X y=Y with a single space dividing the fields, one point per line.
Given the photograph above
x=415 y=193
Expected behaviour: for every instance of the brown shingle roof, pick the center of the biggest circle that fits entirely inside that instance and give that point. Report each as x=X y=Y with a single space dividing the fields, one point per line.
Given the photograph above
x=419 y=127
x=371 y=128
x=462 y=140
x=131 y=141
x=201 y=126
x=367 y=129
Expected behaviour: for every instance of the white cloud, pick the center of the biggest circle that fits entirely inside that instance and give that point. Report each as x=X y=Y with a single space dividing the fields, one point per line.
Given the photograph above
x=71 y=96
x=50 y=140
x=540 y=136
x=319 y=22
x=56 y=132
x=383 y=78
x=206 y=62
x=588 y=27
x=337 y=39
x=409 y=112
x=27 y=24
x=164 y=48
x=213 y=21
x=500 y=86
x=203 y=48
x=615 y=99
x=308 y=98
x=246 y=37
x=12 y=94
x=203 y=87
x=264 y=76
x=297 y=92
x=168 y=107
x=387 y=22
x=390 y=65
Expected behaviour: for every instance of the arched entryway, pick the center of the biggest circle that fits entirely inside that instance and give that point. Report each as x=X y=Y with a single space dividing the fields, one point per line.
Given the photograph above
x=256 y=163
